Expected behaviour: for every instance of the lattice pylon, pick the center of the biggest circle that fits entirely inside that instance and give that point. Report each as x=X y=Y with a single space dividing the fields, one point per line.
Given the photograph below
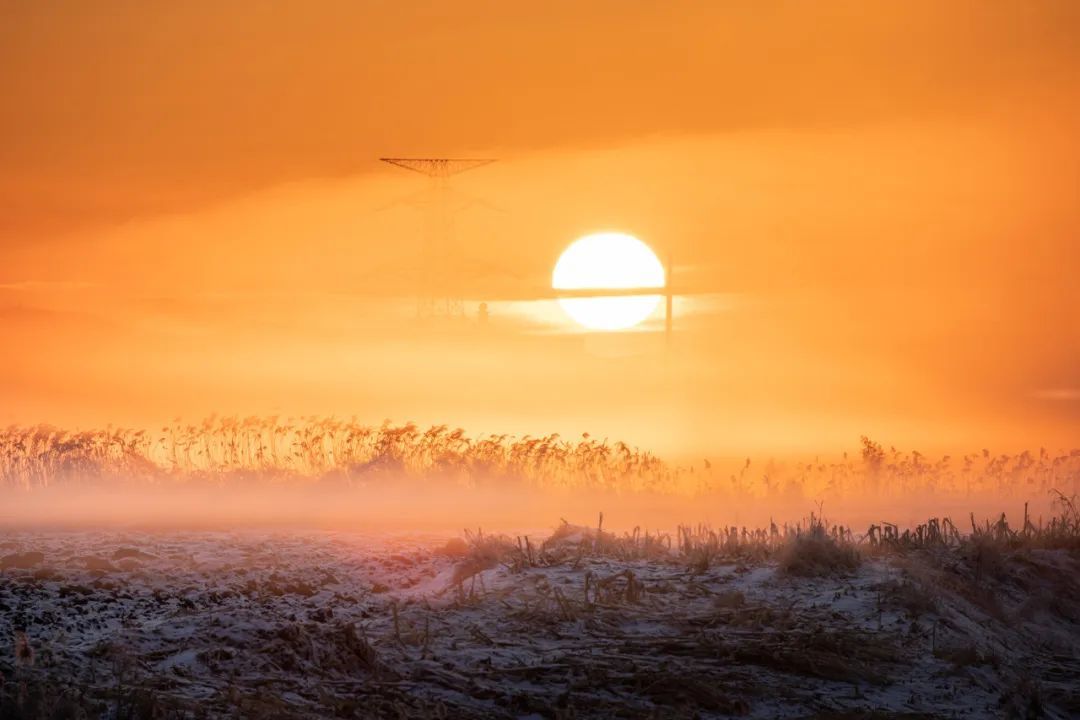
x=433 y=294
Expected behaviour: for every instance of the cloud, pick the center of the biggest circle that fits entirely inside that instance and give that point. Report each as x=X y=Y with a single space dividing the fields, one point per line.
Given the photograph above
x=34 y=285
x=186 y=104
x=1060 y=394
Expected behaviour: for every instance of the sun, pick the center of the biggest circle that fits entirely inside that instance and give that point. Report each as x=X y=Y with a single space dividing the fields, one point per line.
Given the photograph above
x=608 y=260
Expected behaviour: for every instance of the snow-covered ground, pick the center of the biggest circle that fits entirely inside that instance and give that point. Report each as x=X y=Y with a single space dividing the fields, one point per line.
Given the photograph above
x=336 y=624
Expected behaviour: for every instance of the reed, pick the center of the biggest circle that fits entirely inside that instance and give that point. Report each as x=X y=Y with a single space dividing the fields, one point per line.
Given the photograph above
x=236 y=451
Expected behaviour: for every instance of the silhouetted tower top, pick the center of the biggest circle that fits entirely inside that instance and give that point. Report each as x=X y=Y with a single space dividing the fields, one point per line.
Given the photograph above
x=438 y=167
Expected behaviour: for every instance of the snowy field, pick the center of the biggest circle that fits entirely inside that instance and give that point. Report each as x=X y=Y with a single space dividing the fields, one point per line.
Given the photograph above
x=332 y=624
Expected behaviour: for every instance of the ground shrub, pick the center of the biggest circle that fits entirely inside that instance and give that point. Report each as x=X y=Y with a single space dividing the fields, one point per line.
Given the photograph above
x=815 y=553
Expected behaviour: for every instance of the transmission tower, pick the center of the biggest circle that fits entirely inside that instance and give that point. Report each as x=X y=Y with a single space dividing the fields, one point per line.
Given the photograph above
x=436 y=292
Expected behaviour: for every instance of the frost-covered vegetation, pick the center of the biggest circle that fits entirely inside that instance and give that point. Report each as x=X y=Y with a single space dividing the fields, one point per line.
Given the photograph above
x=796 y=621
x=963 y=615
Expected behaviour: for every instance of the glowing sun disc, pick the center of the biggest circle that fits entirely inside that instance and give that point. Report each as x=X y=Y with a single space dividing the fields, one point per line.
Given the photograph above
x=608 y=260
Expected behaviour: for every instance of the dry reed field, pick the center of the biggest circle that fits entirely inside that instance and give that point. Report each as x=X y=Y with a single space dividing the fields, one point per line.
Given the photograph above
x=227 y=451
x=966 y=615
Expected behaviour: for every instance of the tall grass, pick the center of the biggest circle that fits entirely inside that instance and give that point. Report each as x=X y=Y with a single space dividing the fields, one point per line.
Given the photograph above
x=235 y=450
x=232 y=451
x=875 y=471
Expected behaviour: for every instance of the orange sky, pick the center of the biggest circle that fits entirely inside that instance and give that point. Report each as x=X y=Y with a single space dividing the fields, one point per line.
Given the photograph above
x=874 y=206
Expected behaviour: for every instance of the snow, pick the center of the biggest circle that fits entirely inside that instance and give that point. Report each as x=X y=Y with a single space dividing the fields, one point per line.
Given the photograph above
x=317 y=619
